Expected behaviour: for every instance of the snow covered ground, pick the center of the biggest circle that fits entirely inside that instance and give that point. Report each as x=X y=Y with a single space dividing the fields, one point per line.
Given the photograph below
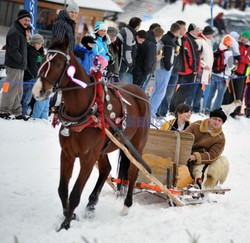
x=30 y=209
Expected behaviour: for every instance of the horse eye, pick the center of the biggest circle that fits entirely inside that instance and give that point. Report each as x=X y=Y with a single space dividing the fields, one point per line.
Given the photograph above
x=58 y=64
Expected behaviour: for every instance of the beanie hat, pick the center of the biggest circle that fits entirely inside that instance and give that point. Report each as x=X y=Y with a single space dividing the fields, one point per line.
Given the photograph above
x=100 y=25
x=23 y=14
x=246 y=34
x=227 y=41
x=112 y=31
x=37 y=39
x=207 y=30
x=234 y=34
x=192 y=27
x=87 y=39
x=73 y=7
x=219 y=113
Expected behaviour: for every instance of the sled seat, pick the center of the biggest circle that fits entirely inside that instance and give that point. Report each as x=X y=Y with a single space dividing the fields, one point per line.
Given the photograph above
x=167 y=152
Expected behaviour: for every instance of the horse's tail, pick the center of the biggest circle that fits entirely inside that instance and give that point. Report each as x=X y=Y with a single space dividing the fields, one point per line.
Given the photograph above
x=122 y=170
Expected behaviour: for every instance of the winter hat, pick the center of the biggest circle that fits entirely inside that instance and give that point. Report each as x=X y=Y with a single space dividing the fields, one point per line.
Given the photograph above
x=73 y=7
x=192 y=27
x=23 y=14
x=219 y=113
x=246 y=34
x=87 y=39
x=112 y=31
x=207 y=30
x=227 y=41
x=100 y=25
x=37 y=39
x=234 y=34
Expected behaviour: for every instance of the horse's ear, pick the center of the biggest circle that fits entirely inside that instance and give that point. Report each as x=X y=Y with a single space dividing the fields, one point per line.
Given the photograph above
x=62 y=44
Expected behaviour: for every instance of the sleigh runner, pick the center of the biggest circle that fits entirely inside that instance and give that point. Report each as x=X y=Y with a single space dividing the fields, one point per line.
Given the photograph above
x=167 y=153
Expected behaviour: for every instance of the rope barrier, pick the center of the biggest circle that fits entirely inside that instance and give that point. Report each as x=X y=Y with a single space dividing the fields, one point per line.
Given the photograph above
x=192 y=83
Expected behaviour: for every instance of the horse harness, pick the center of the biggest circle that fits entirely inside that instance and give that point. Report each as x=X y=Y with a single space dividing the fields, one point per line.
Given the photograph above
x=91 y=117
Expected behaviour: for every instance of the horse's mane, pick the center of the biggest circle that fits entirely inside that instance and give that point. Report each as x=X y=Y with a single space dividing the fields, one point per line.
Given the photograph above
x=58 y=44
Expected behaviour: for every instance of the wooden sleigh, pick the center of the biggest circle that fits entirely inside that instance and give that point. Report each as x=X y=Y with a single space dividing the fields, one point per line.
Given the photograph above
x=167 y=153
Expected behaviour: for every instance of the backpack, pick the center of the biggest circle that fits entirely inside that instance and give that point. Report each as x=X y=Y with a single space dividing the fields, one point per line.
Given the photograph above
x=218 y=65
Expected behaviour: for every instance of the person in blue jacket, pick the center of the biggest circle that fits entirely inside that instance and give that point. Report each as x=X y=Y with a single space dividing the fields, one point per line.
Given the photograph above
x=102 y=40
x=84 y=53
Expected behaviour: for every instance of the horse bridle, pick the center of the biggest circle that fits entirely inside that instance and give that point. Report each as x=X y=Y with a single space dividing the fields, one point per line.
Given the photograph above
x=56 y=84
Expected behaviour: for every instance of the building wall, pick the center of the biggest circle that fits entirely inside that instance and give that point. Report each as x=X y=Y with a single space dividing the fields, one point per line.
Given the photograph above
x=47 y=13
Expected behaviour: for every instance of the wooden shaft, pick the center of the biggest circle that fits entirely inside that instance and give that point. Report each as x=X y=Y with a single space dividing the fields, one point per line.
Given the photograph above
x=142 y=169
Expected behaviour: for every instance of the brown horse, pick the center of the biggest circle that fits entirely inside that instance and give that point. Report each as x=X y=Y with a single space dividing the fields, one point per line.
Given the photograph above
x=86 y=140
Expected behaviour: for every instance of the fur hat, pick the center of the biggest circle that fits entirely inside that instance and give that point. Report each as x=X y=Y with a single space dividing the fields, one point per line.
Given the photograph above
x=87 y=39
x=219 y=113
x=100 y=25
x=73 y=7
x=207 y=30
x=23 y=14
x=37 y=39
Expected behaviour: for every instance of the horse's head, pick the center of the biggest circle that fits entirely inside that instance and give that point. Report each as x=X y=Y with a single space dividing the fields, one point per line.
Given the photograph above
x=52 y=71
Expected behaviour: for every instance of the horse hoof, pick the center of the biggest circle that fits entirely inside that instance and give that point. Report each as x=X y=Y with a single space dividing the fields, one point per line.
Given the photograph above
x=89 y=212
x=74 y=217
x=124 y=211
x=65 y=225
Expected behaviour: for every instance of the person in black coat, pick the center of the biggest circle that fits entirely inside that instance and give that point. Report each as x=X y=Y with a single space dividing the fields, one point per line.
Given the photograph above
x=35 y=54
x=15 y=63
x=146 y=57
x=64 y=25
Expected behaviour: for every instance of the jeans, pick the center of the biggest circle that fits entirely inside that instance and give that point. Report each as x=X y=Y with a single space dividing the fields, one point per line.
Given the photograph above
x=205 y=96
x=163 y=109
x=218 y=85
x=194 y=97
x=41 y=109
x=27 y=95
x=126 y=77
x=162 y=77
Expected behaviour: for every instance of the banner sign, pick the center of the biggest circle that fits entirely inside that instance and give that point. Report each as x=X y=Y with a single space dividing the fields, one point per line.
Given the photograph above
x=31 y=6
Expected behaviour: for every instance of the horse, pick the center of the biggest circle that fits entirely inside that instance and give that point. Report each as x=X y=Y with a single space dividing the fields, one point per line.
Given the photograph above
x=86 y=108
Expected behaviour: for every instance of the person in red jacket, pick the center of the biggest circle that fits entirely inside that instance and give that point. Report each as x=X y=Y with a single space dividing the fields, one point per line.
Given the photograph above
x=237 y=84
x=192 y=63
x=241 y=71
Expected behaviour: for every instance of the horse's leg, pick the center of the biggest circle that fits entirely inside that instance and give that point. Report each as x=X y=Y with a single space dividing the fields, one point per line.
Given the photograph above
x=86 y=166
x=132 y=176
x=65 y=175
x=104 y=169
x=139 y=141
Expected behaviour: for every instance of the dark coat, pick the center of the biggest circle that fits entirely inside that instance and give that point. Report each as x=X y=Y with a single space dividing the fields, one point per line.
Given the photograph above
x=34 y=60
x=16 y=52
x=179 y=65
x=145 y=60
x=169 y=47
x=64 y=26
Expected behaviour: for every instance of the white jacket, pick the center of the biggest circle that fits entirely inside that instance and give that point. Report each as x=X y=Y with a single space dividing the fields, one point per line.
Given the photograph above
x=228 y=61
x=207 y=58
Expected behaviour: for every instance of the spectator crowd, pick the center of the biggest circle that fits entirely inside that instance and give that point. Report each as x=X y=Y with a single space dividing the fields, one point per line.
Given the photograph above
x=174 y=67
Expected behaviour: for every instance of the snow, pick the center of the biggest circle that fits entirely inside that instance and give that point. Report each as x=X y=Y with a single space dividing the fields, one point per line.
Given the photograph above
x=107 y=5
x=31 y=209
x=197 y=14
